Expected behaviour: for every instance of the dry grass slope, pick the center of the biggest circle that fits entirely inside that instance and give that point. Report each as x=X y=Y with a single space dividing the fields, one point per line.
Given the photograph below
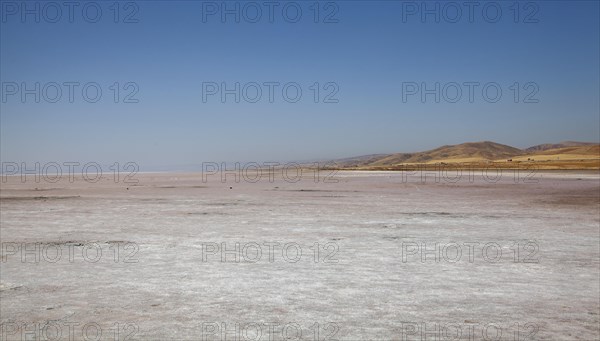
x=564 y=155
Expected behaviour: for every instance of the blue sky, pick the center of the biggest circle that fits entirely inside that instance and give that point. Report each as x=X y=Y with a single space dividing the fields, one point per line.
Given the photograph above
x=369 y=53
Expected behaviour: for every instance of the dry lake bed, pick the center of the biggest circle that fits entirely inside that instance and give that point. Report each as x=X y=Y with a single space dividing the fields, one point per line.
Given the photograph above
x=349 y=256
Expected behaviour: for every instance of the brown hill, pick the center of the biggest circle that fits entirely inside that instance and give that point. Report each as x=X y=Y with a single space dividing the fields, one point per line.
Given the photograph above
x=564 y=144
x=467 y=151
x=581 y=152
x=472 y=151
x=573 y=153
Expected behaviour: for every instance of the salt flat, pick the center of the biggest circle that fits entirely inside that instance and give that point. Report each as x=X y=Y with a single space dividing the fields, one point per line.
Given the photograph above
x=359 y=255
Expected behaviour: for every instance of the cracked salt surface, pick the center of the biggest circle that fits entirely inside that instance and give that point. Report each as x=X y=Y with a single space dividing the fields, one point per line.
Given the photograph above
x=369 y=281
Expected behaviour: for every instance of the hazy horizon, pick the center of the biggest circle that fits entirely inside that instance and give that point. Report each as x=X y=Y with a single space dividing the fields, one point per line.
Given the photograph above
x=366 y=56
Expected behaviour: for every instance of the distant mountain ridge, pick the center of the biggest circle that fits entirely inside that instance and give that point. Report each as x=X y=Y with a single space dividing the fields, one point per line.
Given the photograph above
x=485 y=151
x=564 y=144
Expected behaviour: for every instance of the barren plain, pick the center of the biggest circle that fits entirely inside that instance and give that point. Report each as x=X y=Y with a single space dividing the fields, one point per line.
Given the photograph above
x=346 y=256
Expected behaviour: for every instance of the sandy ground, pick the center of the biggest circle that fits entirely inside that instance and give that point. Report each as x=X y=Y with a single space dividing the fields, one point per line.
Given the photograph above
x=398 y=258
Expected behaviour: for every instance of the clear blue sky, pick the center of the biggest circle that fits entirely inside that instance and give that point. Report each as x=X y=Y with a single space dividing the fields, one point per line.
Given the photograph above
x=369 y=53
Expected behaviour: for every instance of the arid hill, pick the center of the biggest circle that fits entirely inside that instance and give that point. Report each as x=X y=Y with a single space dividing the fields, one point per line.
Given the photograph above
x=467 y=151
x=458 y=153
x=564 y=144
x=582 y=152
x=564 y=155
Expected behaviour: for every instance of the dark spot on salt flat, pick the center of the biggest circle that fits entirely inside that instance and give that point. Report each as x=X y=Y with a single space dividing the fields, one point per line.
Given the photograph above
x=222 y=204
x=172 y=187
x=392 y=226
x=74 y=243
x=429 y=213
x=328 y=196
